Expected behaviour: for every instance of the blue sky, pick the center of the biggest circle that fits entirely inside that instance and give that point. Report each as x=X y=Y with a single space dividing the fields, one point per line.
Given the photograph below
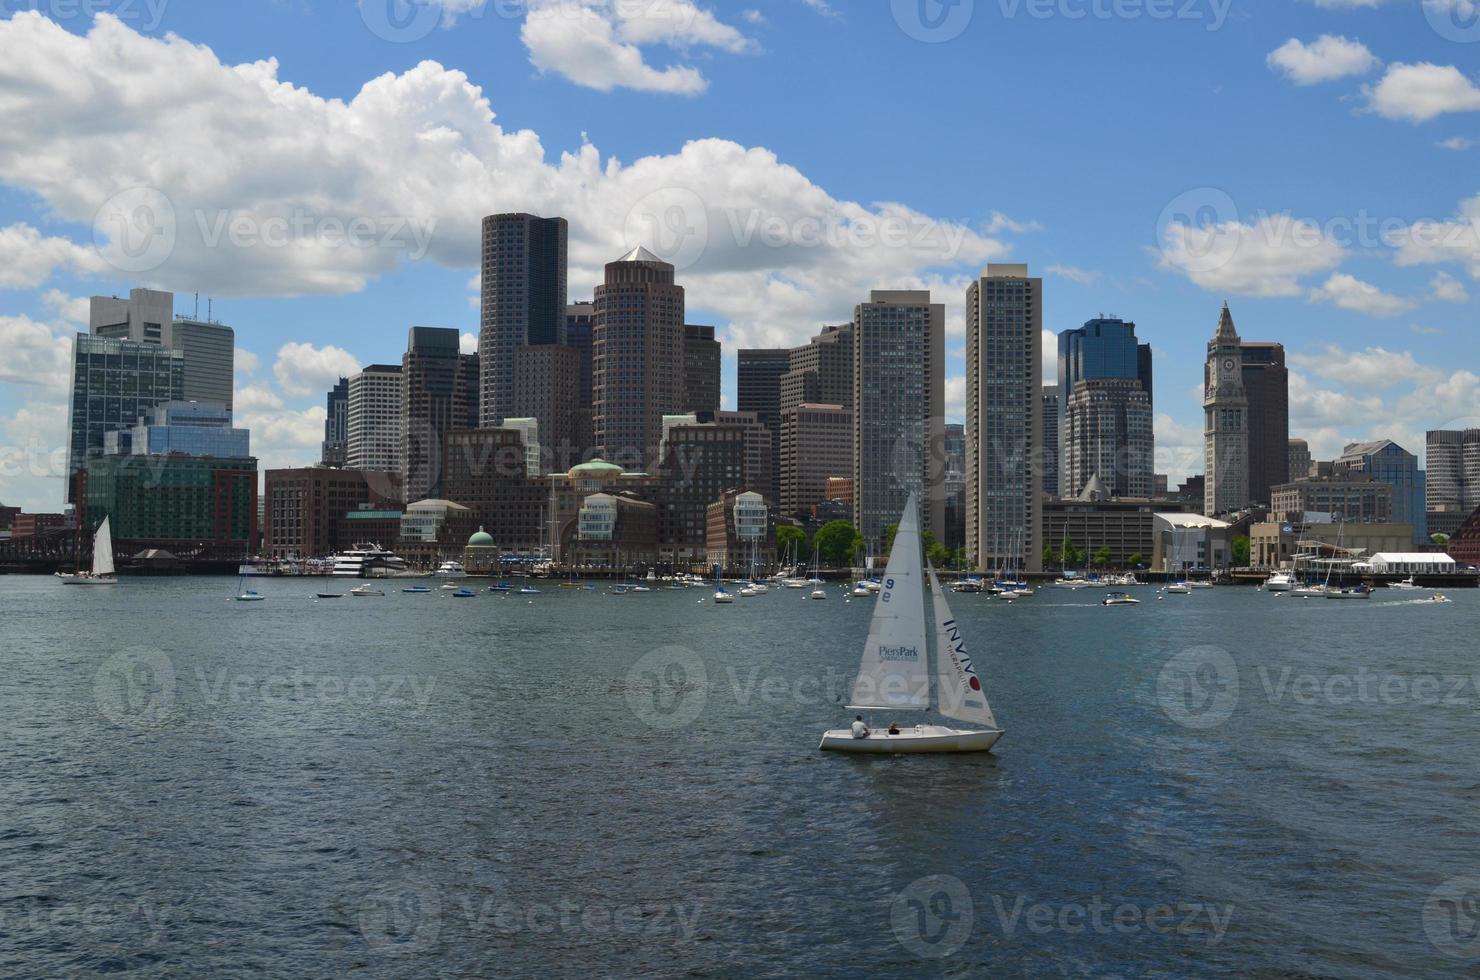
x=1313 y=162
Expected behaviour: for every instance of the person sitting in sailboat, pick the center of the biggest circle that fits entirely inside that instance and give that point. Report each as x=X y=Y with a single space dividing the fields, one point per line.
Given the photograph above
x=894 y=728
x=860 y=730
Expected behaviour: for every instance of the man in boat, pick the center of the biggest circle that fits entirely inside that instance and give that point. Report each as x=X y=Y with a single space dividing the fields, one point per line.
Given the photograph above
x=894 y=728
x=860 y=730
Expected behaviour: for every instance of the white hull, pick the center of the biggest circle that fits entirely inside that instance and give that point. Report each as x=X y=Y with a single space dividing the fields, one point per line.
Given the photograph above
x=915 y=739
x=87 y=579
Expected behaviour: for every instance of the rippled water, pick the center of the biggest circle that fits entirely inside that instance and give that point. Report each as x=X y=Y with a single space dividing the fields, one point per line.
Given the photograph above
x=1226 y=782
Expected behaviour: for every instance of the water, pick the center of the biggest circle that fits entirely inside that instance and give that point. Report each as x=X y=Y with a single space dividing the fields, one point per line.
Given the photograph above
x=585 y=783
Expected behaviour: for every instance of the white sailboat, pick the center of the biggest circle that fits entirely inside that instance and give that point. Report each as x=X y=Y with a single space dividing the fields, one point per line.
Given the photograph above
x=102 y=561
x=894 y=675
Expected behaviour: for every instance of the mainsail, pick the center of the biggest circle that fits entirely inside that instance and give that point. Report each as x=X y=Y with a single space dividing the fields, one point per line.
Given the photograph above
x=959 y=689
x=895 y=672
x=103 y=550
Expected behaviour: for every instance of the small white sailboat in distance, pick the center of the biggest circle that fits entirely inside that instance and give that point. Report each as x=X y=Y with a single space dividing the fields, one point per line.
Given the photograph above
x=102 y=561
x=894 y=675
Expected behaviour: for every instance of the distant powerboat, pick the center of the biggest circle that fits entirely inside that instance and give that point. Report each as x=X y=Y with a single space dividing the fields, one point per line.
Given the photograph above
x=1279 y=582
x=365 y=590
x=417 y=590
x=1119 y=599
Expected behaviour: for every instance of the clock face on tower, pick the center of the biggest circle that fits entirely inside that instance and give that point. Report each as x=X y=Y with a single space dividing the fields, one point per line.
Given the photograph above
x=1228 y=365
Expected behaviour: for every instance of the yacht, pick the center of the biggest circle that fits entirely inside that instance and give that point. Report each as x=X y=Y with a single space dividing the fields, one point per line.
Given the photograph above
x=450 y=569
x=1407 y=584
x=368 y=561
x=1279 y=582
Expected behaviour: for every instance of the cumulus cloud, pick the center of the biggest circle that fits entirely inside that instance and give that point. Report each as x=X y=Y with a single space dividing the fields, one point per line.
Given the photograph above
x=1327 y=58
x=1444 y=288
x=757 y=242
x=37 y=355
x=1266 y=257
x=303 y=369
x=73 y=309
x=1084 y=277
x=1350 y=293
x=1418 y=93
x=1454 y=240
x=28 y=258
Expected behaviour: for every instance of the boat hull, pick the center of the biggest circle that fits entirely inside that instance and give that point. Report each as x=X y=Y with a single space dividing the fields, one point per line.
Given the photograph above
x=915 y=739
x=87 y=580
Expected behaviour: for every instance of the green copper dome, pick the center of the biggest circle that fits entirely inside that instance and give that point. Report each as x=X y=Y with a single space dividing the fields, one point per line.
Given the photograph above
x=596 y=469
x=480 y=539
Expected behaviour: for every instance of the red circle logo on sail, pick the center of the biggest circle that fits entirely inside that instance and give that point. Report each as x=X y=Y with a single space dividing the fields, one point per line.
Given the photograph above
x=976 y=685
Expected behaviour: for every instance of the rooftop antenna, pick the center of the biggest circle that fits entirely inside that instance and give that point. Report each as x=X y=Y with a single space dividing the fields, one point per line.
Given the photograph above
x=196 y=315
x=208 y=310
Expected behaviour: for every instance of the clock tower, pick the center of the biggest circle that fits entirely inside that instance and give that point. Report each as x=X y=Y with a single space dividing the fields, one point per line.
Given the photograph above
x=1225 y=423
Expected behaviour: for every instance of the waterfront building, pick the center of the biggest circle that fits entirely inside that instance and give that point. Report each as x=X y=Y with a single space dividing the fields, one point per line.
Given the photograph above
x=816 y=447
x=898 y=408
x=1126 y=527
x=1452 y=478
x=1226 y=422
x=523 y=302
x=487 y=470
x=700 y=461
x=1104 y=347
x=373 y=419
x=115 y=382
x=1353 y=498
x=1387 y=462
x=1004 y=419
x=177 y=502
x=314 y=511
x=439 y=394
x=1275 y=544
x=819 y=372
x=758 y=374
x=1189 y=541
x=615 y=531
x=546 y=379
x=637 y=355
x=208 y=348
x=567 y=491
x=1052 y=442
x=740 y=529
x=437 y=523
x=335 y=447
x=1464 y=544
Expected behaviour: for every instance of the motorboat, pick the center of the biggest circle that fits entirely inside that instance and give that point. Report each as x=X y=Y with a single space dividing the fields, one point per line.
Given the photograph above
x=365 y=590
x=1407 y=584
x=1354 y=592
x=1119 y=599
x=417 y=590
x=450 y=569
x=464 y=594
x=1279 y=582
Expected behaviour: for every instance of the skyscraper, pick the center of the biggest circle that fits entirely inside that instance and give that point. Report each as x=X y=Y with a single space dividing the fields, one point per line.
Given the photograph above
x=1225 y=423
x=1104 y=347
x=115 y=382
x=373 y=420
x=758 y=374
x=1452 y=472
x=523 y=301
x=1051 y=444
x=148 y=317
x=816 y=446
x=820 y=371
x=898 y=408
x=1267 y=386
x=439 y=394
x=546 y=379
x=1299 y=460
x=636 y=356
x=579 y=319
x=1004 y=419
x=1109 y=437
x=336 y=425
x=701 y=362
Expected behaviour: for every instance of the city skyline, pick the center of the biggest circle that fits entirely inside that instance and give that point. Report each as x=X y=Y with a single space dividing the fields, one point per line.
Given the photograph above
x=1369 y=327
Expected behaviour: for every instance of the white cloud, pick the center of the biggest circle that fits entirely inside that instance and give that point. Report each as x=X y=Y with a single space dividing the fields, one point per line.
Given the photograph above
x=1418 y=93
x=1455 y=143
x=1084 y=277
x=252 y=398
x=823 y=7
x=1002 y=223
x=1326 y=59
x=73 y=309
x=246 y=362
x=283 y=437
x=1372 y=368
x=28 y=258
x=1179 y=449
x=753 y=17
x=1050 y=357
x=1444 y=288
x=599 y=45
x=1268 y=257
x=33 y=449
x=1424 y=331
x=1351 y=293
x=771 y=251
x=1433 y=242
x=303 y=369
x=468 y=343
x=36 y=354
